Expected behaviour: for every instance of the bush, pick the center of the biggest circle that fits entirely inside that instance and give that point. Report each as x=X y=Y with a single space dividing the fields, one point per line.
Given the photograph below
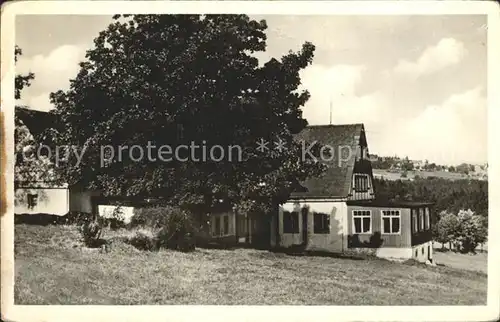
x=91 y=232
x=178 y=231
x=38 y=219
x=117 y=219
x=77 y=217
x=143 y=241
x=153 y=217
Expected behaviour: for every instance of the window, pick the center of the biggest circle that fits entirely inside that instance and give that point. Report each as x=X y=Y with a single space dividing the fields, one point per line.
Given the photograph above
x=321 y=223
x=414 y=220
x=362 y=221
x=427 y=219
x=290 y=222
x=421 y=219
x=226 y=225
x=32 y=200
x=360 y=182
x=364 y=152
x=391 y=222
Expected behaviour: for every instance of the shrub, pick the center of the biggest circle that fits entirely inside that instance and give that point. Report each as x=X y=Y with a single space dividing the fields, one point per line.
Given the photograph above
x=77 y=217
x=91 y=232
x=153 y=217
x=143 y=241
x=41 y=219
x=117 y=218
x=178 y=231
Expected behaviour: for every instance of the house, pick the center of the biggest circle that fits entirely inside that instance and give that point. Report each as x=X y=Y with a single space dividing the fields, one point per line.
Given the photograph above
x=38 y=194
x=336 y=212
x=339 y=212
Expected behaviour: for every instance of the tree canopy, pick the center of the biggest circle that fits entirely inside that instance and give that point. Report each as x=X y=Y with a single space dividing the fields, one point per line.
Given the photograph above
x=448 y=195
x=21 y=81
x=151 y=75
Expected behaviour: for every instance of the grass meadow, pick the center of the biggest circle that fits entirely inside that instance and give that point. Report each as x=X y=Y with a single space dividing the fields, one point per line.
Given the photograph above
x=53 y=267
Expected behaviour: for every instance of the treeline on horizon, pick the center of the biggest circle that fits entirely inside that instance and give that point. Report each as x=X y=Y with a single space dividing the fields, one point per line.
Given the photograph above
x=447 y=195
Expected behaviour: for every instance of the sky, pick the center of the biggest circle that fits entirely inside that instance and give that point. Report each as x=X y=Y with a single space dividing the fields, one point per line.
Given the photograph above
x=417 y=83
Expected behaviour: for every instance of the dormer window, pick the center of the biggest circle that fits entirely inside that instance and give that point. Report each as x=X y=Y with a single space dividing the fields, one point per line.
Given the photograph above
x=361 y=183
x=364 y=153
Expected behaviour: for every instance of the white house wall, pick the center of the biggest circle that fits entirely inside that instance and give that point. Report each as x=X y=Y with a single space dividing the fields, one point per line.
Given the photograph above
x=334 y=241
x=106 y=211
x=52 y=201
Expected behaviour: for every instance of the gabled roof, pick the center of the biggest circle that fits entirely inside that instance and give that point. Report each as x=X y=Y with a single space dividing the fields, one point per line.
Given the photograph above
x=36 y=121
x=335 y=182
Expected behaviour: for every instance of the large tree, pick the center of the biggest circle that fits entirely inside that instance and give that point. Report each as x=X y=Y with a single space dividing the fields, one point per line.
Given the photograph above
x=176 y=79
x=21 y=81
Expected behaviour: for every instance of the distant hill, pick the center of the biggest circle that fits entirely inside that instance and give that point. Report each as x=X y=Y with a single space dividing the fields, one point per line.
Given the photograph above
x=398 y=175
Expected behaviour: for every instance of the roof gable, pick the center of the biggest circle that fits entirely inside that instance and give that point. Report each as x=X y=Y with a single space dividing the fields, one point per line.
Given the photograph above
x=343 y=141
x=36 y=121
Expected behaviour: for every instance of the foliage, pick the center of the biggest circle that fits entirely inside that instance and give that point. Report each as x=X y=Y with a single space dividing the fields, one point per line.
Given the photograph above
x=43 y=219
x=153 y=217
x=465 y=230
x=21 y=81
x=91 y=232
x=407 y=165
x=447 y=228
x=472 y=231
x=178 y=231
x=77 y=217
x=40 y=219
x=117 y=218
x=182 y=79
x=28 y=166
x=447 y=195
x=143 y=241
x=177 y=227
x=465 y=168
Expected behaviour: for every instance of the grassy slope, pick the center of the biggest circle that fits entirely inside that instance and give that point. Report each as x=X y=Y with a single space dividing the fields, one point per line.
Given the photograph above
x=477 y=262
x=50 y=271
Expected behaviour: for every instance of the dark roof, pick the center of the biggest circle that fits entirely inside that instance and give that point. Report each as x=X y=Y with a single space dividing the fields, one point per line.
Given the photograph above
x=335 y=182
x=388 y=203
x=36 y=121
